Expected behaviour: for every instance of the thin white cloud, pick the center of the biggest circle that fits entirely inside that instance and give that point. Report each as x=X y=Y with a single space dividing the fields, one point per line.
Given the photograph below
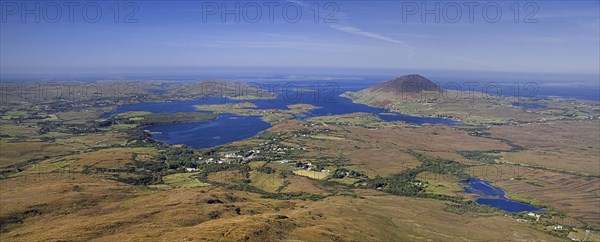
x=345 y=27
x=298 y=2
x=359 y=32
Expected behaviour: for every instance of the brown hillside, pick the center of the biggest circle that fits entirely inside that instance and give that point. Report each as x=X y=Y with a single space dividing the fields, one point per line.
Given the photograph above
x=406 y=83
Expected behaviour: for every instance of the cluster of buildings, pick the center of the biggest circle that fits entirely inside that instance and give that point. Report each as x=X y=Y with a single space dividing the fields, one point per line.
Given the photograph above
x=229 y=157
x=310 y=167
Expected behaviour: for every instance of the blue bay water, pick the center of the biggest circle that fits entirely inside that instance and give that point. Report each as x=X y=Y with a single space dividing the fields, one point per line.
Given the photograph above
x=226 y=128
x=326 y=98
x=230 y=127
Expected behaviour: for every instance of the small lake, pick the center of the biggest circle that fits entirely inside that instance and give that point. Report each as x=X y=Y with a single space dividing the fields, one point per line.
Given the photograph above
x=495 y=197
x=528 y=105
x=158 y=91
x=229 y=127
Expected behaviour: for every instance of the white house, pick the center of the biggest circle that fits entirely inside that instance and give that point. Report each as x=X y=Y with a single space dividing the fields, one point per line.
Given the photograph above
x=537 y=216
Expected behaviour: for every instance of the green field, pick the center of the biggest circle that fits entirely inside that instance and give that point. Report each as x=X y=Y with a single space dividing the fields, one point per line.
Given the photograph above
x=184 y=180
x=311 y=174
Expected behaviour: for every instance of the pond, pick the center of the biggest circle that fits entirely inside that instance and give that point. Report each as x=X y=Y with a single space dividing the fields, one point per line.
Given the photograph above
x=528 y=105
x=495 y=196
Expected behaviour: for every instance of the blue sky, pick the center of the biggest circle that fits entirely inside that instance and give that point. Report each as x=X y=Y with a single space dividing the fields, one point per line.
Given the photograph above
x=172 y=35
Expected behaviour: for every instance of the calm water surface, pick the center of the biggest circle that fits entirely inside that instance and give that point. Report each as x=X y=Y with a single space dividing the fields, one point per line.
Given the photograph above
x=225 y=129
x=229 y=127
x=494 y=196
